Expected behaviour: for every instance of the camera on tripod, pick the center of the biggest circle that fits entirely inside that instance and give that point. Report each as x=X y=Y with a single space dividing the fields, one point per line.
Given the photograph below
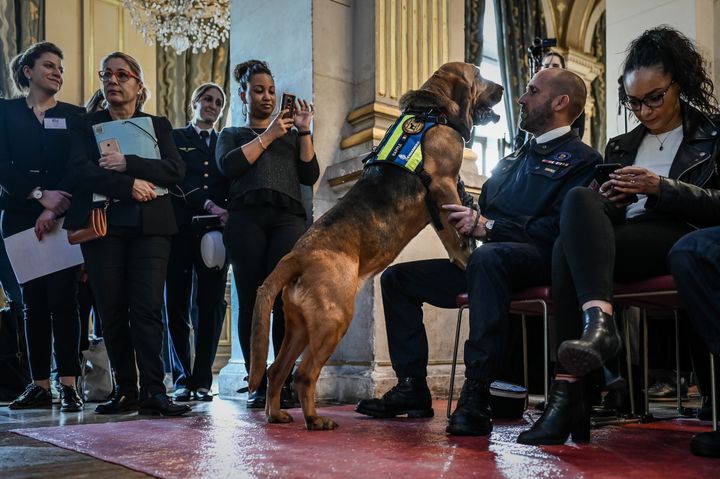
x=539 y=44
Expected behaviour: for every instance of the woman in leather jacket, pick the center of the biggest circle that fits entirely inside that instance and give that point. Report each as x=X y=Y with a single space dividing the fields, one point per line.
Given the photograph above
x=665 y=185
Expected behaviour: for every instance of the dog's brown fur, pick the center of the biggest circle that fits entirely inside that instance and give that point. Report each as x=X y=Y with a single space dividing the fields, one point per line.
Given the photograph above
x=358 y=238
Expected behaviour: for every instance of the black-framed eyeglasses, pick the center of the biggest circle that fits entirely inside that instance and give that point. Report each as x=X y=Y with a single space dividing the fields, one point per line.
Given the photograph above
x=654 y=100
x=120 y=75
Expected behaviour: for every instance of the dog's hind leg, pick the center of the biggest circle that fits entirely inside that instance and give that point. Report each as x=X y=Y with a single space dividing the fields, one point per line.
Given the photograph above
x=321 y=346
x=293 y=343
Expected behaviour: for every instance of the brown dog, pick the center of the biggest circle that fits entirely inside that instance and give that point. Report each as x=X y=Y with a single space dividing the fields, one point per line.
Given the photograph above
x=360 y=236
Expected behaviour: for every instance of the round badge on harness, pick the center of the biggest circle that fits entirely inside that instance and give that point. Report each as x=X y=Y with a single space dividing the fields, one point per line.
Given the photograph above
x=413 y=126
x=212 y=250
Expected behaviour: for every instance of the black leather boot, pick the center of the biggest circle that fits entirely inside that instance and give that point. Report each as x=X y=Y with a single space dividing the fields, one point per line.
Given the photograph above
x=473 y=416
x=410 y=396
x=600 y=341
x=567 y=413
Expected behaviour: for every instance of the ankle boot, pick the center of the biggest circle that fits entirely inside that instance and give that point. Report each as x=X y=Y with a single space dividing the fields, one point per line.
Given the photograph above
x=473 y=415
x=410 y=396
x=600 y=341
x=566 y=413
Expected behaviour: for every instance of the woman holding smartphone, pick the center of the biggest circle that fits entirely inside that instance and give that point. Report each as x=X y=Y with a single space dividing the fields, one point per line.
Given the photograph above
x=34 y=177
x=127 y=268
x=266 y=160
x=666 y=186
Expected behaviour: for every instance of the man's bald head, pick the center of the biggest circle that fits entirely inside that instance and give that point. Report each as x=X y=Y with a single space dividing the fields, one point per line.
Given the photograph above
x=564 y=82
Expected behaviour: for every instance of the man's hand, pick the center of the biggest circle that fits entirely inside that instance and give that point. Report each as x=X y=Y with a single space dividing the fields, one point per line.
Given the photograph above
x=464 y=219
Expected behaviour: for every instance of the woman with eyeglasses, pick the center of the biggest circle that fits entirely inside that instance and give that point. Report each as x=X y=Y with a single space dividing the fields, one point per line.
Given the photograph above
x=665 y=185
x=127 y=267
x=34 y=177
x=266 y=160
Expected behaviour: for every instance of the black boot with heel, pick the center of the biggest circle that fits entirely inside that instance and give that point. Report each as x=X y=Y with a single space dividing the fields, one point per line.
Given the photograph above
x=600 y=341
x=566 y=414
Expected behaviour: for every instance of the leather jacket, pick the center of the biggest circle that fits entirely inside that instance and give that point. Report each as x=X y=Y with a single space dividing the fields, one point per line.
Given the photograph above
x=691 y=192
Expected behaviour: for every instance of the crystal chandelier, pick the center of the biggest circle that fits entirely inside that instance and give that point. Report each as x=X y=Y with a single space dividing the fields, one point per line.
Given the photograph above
x=182 y=24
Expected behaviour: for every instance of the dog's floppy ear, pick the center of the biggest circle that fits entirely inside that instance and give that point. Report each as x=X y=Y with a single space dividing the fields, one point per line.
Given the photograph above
x=464 y=93
x=450 y=91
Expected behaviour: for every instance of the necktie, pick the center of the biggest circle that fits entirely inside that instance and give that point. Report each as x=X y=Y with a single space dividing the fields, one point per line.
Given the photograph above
x=205 y=136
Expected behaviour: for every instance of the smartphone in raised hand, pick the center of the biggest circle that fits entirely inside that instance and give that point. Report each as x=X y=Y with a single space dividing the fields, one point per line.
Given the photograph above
x=288 y=103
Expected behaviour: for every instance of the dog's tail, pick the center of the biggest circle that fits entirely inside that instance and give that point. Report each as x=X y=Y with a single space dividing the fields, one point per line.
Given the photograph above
x=287 y=269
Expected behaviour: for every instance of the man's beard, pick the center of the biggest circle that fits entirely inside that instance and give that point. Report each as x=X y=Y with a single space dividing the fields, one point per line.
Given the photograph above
x=537 y=121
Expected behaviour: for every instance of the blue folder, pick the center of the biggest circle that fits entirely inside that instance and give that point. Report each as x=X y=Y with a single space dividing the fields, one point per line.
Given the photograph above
x=135 y=136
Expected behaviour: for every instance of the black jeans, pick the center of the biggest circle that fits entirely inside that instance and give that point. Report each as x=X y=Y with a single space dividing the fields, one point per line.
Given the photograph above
x=52 y=322
x=127 y=275
x=256 y=238
x=494 y=272
x=596 y=247
x=184 y=259
x=695 y=264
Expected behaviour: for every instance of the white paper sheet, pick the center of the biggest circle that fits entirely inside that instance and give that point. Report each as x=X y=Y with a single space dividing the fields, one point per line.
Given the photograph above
x=33 y=259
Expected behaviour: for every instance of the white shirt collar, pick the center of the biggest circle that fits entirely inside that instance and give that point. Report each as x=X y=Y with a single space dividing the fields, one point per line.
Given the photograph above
x=198 y=130
x=552 y=134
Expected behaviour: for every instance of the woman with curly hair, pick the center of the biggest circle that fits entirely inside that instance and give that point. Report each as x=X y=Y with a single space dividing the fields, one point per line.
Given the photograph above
x=266 y=160
x=665 y=185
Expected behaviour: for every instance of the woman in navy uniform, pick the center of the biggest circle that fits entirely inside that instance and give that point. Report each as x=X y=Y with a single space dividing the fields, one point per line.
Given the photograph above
x=203 y=192
x=33 y=175
x=127 y=268
x=666 y=185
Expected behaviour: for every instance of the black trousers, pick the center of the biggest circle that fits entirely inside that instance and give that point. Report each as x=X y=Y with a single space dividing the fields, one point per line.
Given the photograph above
x=184 y=259
x=494 y=272
x=596 y=247
x=127 y=275
x=52 y=322
x=695 y=264
x=256 y=238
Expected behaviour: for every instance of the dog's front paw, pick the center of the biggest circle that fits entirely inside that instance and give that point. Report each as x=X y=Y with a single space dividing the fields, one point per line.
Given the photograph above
x=279 y=417
x=319 y=423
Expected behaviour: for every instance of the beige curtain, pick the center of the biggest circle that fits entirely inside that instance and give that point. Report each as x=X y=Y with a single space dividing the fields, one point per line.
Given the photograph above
x=22 y=23
x=179 y=75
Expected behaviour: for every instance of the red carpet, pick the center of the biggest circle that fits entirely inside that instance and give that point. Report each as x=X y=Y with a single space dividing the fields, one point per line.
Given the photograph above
x=231 y=442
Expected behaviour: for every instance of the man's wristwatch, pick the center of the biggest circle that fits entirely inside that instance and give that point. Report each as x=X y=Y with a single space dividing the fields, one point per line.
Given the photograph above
x=488 y=228
x=37 y=193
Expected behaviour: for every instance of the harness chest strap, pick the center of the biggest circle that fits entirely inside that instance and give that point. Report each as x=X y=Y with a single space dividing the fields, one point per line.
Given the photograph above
x=402 y=147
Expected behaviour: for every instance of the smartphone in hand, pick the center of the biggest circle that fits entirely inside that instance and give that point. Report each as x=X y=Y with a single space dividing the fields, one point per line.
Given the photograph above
x=110 y=145
x=288 y=102
x=603 y=170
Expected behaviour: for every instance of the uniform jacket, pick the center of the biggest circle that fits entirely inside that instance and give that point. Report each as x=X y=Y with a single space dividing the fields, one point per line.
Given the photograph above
x=690 y=192
x=32 y=154
x=203 y=180
x=154 y=217
x=524 y=195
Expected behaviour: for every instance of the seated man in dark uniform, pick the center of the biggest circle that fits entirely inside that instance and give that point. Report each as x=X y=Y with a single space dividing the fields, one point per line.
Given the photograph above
x=695 y=264
x=517 y=222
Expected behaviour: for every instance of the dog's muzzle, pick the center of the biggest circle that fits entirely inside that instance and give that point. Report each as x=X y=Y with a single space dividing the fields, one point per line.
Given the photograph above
x=483 y=116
